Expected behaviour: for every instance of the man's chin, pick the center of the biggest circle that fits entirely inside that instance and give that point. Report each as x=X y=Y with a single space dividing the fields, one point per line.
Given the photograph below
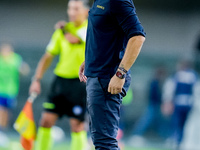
x=72 y=20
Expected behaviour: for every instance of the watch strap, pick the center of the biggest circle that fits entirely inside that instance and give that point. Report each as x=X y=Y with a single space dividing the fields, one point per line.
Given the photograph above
x=122 y=69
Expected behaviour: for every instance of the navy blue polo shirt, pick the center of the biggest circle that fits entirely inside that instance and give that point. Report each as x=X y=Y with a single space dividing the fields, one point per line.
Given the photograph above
x=111 y=23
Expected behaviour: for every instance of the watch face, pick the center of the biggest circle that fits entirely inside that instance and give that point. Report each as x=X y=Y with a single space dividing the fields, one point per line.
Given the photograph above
x=119 y=74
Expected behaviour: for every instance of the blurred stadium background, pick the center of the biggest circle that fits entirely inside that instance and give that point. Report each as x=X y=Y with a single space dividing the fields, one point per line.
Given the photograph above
x=172 y=28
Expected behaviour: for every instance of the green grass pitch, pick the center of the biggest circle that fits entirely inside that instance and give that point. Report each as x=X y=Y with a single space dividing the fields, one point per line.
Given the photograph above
x=15 y=145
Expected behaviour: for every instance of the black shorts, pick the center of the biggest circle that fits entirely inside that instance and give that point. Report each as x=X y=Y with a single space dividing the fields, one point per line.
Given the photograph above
x=67 y=97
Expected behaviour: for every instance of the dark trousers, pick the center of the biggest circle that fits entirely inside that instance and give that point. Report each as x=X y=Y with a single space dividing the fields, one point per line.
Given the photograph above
x=179 y=119
x=104 y=113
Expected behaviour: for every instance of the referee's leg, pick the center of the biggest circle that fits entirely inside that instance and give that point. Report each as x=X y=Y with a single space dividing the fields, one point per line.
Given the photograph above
x=44 y=139
x=78 y=135
x=104 y=114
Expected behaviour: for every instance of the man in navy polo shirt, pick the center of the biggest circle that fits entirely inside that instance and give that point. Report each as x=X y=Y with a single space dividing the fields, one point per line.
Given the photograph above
x=113 y=26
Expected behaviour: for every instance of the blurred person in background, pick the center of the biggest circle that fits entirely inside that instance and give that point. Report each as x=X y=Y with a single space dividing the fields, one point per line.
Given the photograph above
x=178 y=99
x=152 y=116
x=67 y=95
x=11 y=66
x=197 y=54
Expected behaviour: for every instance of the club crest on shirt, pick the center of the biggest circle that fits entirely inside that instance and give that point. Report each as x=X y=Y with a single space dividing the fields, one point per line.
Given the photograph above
x=77 y=110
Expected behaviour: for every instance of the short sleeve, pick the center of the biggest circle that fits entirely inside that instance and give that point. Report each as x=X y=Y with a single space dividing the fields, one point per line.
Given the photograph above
x=168 y=90
x=124 y=12
x=81 y=33
x=54 y=45
x=19 y=60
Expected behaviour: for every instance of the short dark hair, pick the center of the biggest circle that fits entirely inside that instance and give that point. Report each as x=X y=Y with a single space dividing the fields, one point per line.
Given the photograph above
x=85 y=3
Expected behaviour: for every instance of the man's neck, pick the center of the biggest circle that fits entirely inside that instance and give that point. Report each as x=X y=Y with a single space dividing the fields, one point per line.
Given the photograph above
x=79 y=23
